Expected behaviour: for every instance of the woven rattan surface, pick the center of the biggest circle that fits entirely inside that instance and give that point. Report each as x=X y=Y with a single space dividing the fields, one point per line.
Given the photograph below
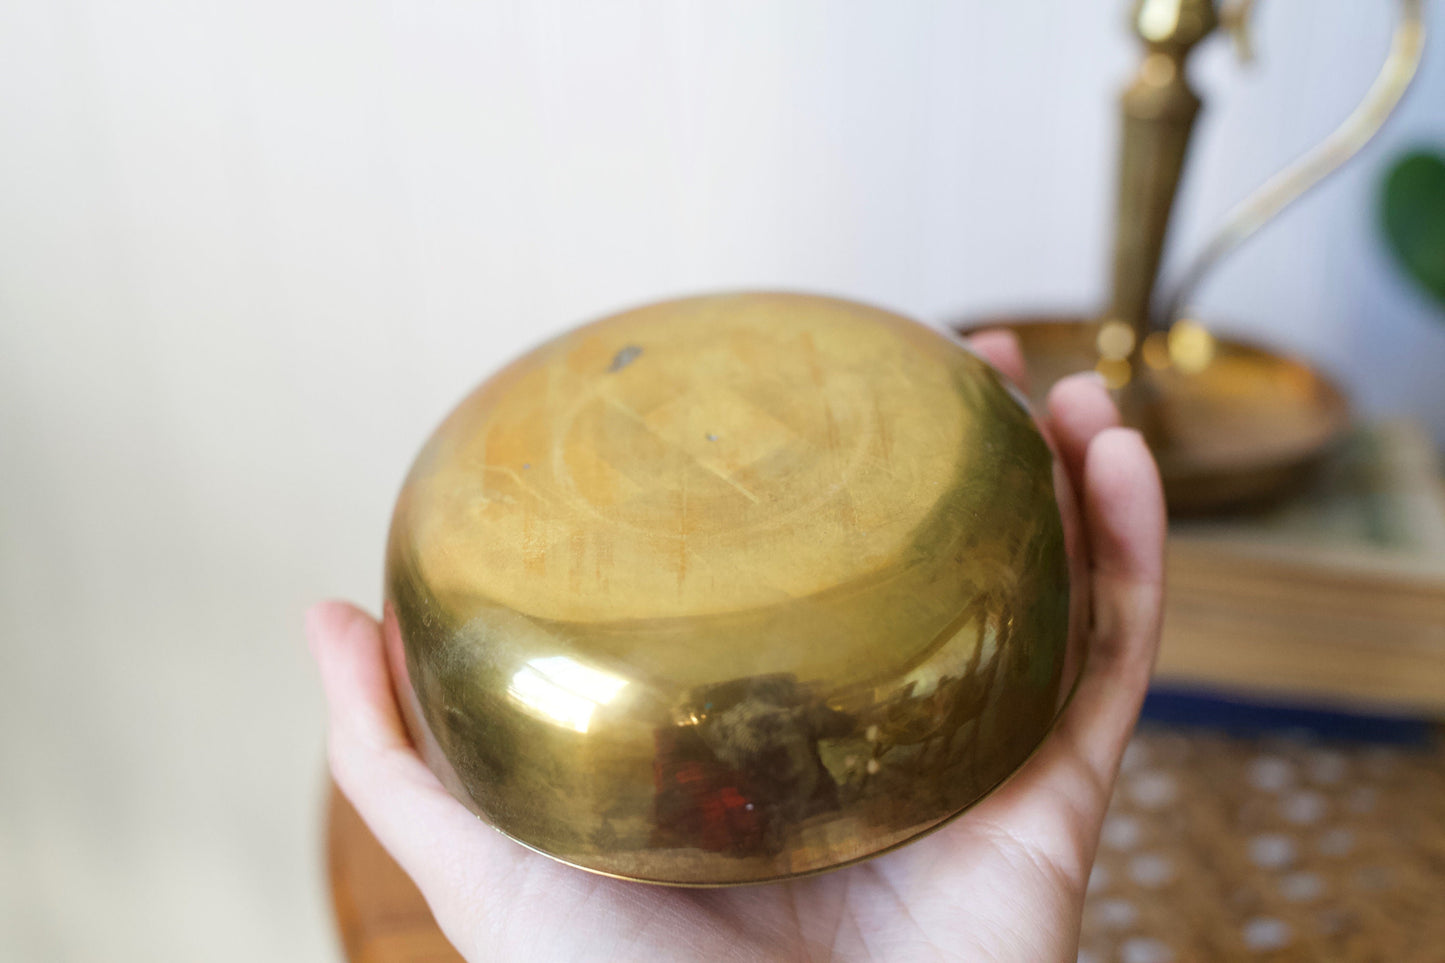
x=1274 y=848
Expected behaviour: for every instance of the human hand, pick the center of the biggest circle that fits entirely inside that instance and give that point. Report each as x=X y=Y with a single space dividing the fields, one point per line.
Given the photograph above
x=1003 y=882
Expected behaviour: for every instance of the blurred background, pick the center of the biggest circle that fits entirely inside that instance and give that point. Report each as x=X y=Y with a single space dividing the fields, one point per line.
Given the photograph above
x=250 y=253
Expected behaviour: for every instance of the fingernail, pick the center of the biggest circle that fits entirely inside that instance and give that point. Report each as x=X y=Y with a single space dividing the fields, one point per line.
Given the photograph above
x=1091 y=376
x=1138 y=435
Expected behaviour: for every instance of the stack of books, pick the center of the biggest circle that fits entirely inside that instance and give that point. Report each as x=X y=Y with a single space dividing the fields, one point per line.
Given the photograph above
x=1335 y=598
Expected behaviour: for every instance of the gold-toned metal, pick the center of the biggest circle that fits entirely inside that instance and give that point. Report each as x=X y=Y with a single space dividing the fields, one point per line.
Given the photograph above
x=1164 y=381
x=1159 y=110
x=1236 y=19
x=733 y=589
x=1236 y=424
x=1115 y=341
x=1406 y=48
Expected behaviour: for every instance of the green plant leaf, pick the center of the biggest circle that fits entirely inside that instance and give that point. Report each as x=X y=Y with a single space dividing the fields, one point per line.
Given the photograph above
x=1413 y=215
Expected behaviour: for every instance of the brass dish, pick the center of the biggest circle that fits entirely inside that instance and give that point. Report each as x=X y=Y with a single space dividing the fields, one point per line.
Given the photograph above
x=734 y=588
x=1246 y=426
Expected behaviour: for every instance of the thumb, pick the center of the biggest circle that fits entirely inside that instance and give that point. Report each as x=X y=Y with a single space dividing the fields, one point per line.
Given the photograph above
x=440 y=844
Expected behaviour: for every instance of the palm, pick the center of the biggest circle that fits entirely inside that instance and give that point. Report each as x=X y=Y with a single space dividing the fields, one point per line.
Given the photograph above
x=1005 y=882
x=940 y=900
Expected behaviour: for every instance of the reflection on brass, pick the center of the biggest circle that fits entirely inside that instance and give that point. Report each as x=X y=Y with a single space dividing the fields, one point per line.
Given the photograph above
x=1236 y=424
x=733 y=589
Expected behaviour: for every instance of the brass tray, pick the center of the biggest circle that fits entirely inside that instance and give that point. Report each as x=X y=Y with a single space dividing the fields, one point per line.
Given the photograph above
x=1245 y=430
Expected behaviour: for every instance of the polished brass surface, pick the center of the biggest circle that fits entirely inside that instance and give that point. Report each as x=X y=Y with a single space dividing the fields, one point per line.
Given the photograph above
x=1237 y=424
x=1227 y=423
x=1407 y=46
x=1159 y=109
x=733 y=589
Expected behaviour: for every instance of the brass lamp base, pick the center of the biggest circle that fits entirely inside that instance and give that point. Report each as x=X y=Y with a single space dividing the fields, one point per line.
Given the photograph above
x=1245 y=429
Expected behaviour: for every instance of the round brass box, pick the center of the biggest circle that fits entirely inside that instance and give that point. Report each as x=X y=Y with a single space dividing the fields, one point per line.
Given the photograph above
x=734 y=588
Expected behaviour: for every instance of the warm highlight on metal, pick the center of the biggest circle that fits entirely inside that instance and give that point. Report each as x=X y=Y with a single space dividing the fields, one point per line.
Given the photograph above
x=734 y=588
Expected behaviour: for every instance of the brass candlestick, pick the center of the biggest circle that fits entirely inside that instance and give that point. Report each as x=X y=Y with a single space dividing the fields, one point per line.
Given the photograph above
x=1159 y=109
x=1229 y=422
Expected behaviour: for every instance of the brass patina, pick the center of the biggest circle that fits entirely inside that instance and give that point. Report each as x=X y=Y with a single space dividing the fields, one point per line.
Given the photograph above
x=733 y=589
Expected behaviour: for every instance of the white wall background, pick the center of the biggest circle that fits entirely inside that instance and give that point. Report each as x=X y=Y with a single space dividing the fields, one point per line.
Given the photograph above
x=251 y=252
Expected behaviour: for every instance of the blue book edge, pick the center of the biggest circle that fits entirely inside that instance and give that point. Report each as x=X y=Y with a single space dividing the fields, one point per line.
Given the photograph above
x=1190 y=707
